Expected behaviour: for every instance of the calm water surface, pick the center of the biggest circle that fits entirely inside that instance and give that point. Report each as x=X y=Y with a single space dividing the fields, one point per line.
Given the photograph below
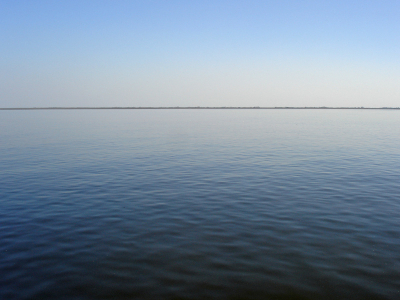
x=200 y=204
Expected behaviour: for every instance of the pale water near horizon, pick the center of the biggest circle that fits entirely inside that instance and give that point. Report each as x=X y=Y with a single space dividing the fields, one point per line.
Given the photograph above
x=200 y=204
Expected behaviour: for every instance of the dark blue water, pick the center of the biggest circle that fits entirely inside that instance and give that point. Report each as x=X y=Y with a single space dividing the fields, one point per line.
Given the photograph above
x=200 y=204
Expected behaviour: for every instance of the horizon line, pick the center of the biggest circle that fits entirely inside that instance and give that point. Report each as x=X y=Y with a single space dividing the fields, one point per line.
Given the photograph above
x=192 y=107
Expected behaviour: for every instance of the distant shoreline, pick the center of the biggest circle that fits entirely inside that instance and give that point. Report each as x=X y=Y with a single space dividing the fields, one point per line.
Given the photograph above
x=191 y=107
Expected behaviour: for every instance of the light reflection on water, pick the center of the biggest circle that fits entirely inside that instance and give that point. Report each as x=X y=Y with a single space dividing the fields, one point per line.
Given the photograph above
x=194 y=204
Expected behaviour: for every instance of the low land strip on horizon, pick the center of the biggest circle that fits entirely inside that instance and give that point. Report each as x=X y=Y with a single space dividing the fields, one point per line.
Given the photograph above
x=195 y=107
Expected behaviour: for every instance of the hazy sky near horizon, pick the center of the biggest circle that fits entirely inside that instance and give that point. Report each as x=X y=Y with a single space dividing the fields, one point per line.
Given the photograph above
x=199 y=53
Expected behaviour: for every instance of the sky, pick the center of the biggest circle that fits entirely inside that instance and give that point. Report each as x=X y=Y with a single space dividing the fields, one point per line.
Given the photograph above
x=199 y=53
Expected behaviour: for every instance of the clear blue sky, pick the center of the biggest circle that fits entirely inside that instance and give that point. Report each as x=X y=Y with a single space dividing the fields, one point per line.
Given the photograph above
x=199 y=53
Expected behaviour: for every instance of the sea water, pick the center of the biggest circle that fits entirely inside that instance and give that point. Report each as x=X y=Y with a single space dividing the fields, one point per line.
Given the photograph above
x=200 y=204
